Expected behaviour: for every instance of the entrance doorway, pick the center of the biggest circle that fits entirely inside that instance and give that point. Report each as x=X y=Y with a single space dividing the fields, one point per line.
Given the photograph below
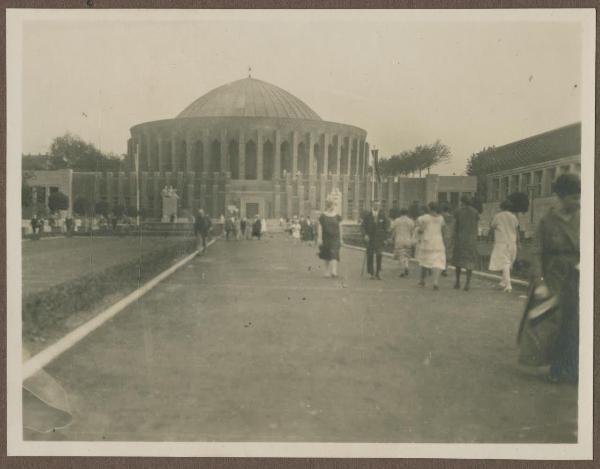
x=252 y=209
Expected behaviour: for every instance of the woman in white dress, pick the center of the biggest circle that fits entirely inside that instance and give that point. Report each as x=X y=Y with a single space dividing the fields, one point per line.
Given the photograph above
x=295 y=230
x=402 y=233
x=432 y=252
x=505 y=225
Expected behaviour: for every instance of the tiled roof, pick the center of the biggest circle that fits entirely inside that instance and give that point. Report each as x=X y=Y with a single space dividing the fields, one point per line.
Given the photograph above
x=249 y=97
x=552 y=145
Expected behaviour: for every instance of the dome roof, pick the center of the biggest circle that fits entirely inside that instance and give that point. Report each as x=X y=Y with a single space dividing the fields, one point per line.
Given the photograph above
x=249 y=97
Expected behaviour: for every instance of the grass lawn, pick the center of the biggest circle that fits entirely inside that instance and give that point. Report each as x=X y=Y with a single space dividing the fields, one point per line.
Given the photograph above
x=53 y=261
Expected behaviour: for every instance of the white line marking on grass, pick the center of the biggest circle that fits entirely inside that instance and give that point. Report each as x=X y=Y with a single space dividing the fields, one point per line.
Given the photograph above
x=39 y=361
x=475 y=272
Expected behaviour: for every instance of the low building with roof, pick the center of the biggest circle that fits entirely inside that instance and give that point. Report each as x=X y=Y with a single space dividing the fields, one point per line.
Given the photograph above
x=530 y=166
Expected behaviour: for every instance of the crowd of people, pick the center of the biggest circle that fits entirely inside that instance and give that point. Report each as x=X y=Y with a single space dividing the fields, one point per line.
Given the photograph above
x=238 y=228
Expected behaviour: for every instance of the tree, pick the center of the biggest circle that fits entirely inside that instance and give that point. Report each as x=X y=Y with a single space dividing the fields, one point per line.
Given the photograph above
x=101 y=208
x=480 y=165
x=118 y=211
x=81 y=206
x=70 y=151
x=58 y=201
x=422 y=157
x=131 y=211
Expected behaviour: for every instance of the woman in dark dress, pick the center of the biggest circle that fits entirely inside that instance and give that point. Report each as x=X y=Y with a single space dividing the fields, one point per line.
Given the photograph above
x=466 y=222
x=555 y=273
x=329 y=239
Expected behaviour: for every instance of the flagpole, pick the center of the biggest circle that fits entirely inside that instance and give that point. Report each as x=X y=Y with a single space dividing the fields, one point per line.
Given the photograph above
x=137 y=182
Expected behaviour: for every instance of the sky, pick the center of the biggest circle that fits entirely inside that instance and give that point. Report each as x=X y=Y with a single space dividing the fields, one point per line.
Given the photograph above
x=407 y=81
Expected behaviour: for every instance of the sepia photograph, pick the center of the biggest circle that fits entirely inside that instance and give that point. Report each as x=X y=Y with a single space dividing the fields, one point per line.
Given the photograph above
x=302 y=233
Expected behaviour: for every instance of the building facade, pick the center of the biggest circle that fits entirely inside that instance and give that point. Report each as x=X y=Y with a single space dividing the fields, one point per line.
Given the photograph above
x=530 y=166
x=252 y=145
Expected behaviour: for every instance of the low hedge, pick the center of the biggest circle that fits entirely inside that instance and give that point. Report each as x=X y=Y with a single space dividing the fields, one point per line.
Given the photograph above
x=49 y=309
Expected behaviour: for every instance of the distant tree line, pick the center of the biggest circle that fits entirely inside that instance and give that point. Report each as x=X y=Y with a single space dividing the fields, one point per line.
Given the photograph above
x=480 y=165
x=421 y=158
x=71 y=152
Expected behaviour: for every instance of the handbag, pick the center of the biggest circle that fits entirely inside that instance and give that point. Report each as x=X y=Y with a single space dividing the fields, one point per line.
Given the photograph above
x=539 y=331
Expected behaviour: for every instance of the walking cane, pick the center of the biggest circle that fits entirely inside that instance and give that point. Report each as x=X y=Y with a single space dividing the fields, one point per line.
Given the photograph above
x=362 y=270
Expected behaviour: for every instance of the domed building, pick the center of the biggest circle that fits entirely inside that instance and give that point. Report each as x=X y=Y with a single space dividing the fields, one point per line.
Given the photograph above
x=252 y=145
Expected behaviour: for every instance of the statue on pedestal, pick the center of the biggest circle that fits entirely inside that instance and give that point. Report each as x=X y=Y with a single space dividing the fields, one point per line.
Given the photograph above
x=169 y=204
x=335 y=196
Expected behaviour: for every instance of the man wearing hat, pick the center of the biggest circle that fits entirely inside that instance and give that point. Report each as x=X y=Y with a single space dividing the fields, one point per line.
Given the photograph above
x=375 y=227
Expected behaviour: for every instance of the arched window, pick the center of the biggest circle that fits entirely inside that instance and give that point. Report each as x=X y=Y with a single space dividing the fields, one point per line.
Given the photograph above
x=361 y=158
x=344 y=157
x=302 y=159
x=198 y=156
x=167 y=150
x=154 y=156
x=331 y=159
x=267 y=161
x=181 y=159
x=286 y=158
x=251 y=160
x=215 y=156
x=234 y=159
x=318 y=165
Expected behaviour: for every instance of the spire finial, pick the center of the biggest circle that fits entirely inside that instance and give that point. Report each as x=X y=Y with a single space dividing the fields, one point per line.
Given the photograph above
x=249 y=72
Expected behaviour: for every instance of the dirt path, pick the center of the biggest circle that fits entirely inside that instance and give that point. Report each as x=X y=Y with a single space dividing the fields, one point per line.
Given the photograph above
x=250 y=343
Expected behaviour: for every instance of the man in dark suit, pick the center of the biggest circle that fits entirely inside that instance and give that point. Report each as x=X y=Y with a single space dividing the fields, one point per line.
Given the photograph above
x=375 y=227
x=202 y=225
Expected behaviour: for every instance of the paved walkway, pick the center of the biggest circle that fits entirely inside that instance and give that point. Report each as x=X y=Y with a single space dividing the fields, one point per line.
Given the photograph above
x=250 y=343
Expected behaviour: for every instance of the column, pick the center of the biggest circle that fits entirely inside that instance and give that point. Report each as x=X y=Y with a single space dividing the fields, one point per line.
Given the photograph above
x=189 y=152
x=109 y=195
x=300 y=197
x=361 y=152
x=355 y=207
x=288 y=195
x=259 y=155
x=156 y=194
x=311 y=155
x=325 y=155
x=277 y=156
x=120 y=191
x=143 y=190
x=174 y=165
x=215 y=195
x=294 y=154
x=367 y=157
x=149 y=149
x=322 y=192
x=349 y=156
x=189 y=199
x=368 y=191
x=224 y=152
x=206 y=169
x=160 y=154
x=338 y=159
x=46 y=196
x=242 y=155
x=132 y=183
x=345 y=181
x=356 y=169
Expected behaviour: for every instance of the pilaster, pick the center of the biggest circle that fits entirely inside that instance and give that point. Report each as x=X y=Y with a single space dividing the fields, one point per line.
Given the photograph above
x=259 y=155
x=277 y=156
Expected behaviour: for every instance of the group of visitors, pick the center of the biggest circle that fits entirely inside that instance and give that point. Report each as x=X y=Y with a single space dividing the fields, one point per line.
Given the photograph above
x=237 y=228
x=301 y=229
